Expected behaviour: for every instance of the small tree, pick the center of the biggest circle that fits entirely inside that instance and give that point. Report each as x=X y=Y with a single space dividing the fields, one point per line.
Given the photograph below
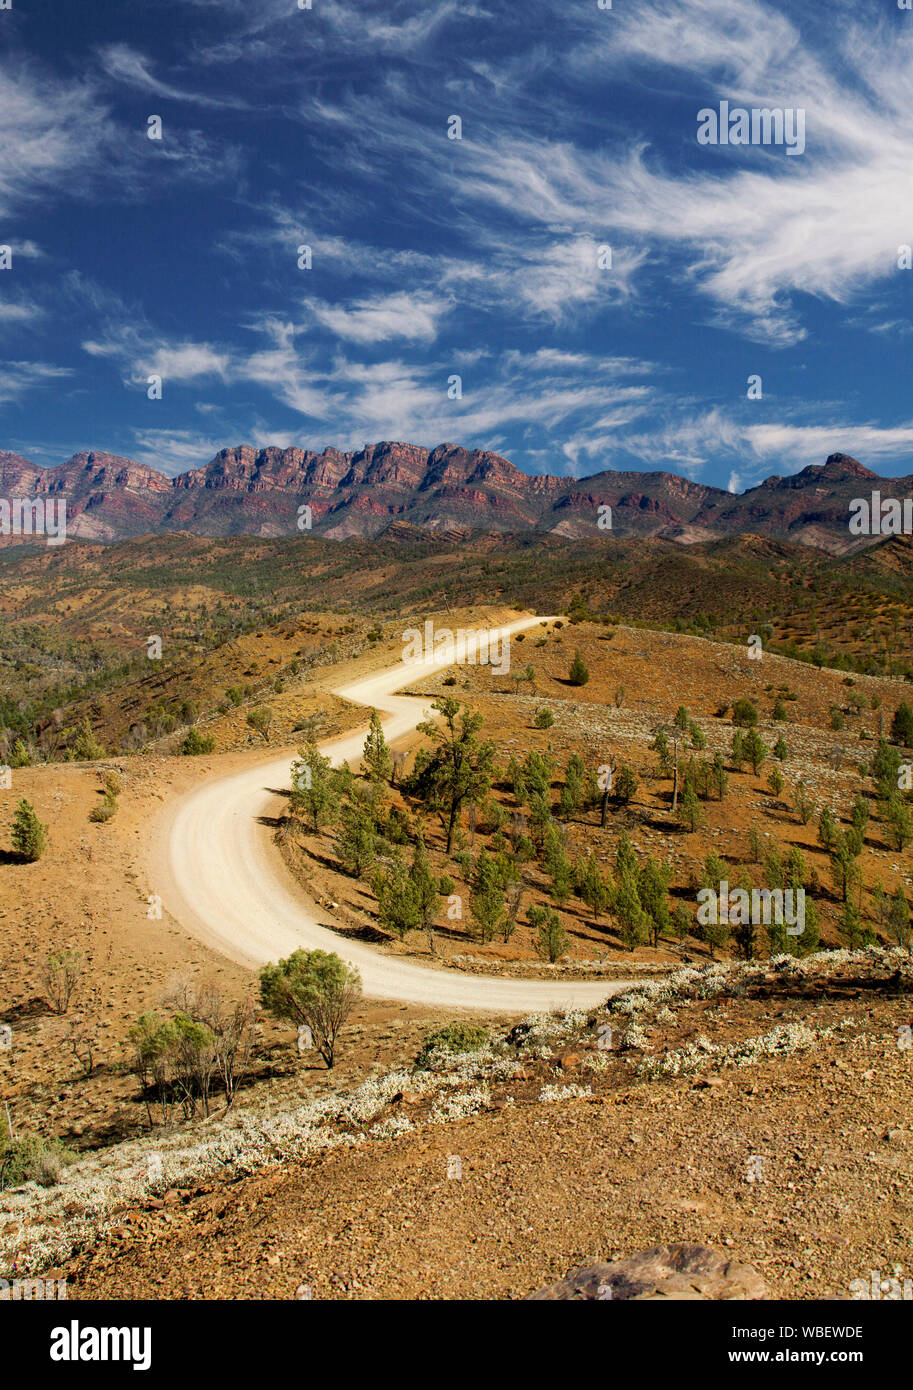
x=652 y=887
x=579 y=673
x=397 y=904
x=681 y=923
x=860 y=814
x=458 y=768
x=802 y=803
x=902 y=726
x=900 y=821
x=315 y=988
x=152 y=1041
x=844 y=868
x=738 y=750
x=689 y=812
x=312 y=791
x=899 y=918
x=356 y=843
x=593 y=888
x=28 y=832
x=756 y=749
x=828 y=829
x=195 y=743
x=260 y=720
x=86 y=747
x=851 y=925
x=744 y=713
x=60 y=975
x=634 y=923
x=624 y=784
x=376 y=756
x=544 y=719
x=552 y=941
x=426 y=889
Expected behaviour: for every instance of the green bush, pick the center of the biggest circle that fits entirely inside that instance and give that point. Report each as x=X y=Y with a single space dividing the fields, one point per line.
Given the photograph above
x=453 y=1038
x=744 y=713
x=28 y=833
x=32 y=1159
x=195 y=743
x=579 y=673
x=544 y=718
x=902 y=726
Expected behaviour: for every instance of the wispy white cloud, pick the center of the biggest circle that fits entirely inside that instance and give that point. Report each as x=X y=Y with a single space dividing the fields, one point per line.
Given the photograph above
x=127 y=65
x=756 y=450
x=413 y=316
x=17 y=378
x=174 y=451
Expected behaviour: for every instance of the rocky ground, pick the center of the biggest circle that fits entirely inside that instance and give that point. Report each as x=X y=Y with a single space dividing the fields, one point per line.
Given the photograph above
x=759 y=1110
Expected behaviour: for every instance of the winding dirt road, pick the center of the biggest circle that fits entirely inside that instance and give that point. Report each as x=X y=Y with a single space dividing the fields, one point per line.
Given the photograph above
x=222 y=877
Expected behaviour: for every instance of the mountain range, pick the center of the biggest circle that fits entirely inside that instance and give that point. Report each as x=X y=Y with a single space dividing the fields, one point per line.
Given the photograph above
x=409 y=492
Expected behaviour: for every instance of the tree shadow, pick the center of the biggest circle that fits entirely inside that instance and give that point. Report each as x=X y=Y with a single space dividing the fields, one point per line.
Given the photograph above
x=28 y=1009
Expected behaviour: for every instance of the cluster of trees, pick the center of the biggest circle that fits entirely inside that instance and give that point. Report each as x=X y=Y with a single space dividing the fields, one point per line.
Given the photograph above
x=205 y=1042
x=696 y=779
x=455 y=772
x=778 y=872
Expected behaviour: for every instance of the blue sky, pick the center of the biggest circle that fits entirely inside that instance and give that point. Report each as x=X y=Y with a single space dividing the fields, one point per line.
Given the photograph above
x=476 y=257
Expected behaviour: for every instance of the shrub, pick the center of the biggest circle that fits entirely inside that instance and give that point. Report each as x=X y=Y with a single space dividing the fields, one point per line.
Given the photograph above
x=195 y=743
x=544 y=718
x=578 y=673
x=86 y=747
x=744 y=713
x=552 y=940
x=802 y=803
x=32 y=1159
x=260 y=720
x=452 y=1038
x=28 y=833
x=902 y=726
x=60 y=975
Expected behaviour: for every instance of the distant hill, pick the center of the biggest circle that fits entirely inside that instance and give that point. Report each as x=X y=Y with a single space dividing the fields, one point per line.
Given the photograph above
x=409 y=492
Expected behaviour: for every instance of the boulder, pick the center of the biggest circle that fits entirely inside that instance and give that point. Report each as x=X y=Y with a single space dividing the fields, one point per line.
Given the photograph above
x=666 y=1271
